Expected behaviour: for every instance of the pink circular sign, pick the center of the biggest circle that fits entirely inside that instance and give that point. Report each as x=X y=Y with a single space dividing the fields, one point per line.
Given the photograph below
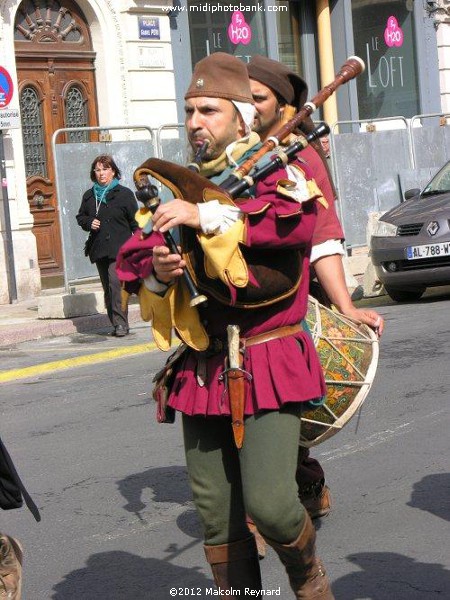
x=239 y=32
x=393 y=34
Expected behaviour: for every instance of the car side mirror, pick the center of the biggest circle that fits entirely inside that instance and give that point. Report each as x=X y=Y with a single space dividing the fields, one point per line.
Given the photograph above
x=411 y=193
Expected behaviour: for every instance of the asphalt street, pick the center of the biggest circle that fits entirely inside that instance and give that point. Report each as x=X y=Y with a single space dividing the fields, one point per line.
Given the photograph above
x=117 y=516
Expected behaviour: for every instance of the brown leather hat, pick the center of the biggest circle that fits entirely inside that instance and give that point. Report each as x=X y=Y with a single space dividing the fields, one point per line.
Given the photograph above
x=220 y=75
x=284 y=82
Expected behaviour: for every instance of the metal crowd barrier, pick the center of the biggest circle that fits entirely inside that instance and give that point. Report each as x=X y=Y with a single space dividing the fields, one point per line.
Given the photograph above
x=373 y=163
x=72 y=165
x=378 y=160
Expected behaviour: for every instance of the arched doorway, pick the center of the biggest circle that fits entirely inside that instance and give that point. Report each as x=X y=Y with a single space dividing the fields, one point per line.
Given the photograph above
x=55 y=71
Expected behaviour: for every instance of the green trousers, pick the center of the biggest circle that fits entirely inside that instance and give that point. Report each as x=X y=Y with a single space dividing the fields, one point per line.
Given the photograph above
x=258 y=480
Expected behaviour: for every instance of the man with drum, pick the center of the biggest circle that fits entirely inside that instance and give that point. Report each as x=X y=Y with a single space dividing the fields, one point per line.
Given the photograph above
x=275 y=90
x=275 y=361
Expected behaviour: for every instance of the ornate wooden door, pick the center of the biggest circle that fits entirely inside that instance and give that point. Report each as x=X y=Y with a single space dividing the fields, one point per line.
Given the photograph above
x=55 y=67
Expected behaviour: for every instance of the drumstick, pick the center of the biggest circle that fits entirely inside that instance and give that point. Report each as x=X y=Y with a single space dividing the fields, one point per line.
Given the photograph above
x=376 y=326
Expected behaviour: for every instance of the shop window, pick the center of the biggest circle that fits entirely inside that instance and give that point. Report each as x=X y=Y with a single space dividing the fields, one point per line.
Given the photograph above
x=289 y=32
x=384 y=39
x=214 y=28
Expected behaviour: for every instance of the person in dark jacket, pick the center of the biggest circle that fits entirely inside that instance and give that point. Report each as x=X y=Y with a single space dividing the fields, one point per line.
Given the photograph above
x=107 y=211
x=12 y=495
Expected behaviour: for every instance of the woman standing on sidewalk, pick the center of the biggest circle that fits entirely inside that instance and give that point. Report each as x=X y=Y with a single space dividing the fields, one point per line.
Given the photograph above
x=107 y=211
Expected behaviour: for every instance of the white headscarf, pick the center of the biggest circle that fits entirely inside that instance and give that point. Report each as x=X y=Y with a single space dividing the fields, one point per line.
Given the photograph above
x=247 y=112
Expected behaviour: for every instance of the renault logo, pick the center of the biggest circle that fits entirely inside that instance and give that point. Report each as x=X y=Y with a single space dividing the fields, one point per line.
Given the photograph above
x=433 y=228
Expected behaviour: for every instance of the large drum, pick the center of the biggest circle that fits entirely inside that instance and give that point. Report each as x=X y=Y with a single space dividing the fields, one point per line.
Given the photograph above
x=348 y=353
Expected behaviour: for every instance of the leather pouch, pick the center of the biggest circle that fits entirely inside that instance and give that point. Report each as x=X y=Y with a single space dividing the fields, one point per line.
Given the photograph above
x=163 y=381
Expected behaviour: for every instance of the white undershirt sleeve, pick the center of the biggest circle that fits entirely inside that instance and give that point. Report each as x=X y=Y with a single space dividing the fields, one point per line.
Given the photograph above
x=327 y=248
x=155 y=286
x=217 y=218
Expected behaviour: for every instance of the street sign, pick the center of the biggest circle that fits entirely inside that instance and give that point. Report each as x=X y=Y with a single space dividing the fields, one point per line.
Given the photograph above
x=6 y=88
x=9 y=118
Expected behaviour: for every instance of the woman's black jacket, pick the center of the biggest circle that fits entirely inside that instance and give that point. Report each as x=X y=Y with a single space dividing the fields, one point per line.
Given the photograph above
x=116 y=218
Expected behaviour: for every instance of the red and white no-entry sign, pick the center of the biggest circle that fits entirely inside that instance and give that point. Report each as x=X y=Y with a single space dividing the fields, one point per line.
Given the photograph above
x=6 y=88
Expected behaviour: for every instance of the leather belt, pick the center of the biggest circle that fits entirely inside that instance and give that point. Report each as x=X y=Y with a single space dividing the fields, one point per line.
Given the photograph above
x=273 y=334
x=217 y=345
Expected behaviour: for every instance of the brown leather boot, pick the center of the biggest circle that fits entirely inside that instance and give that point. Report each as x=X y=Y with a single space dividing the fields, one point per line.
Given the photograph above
x=10 y=568
x=306 y=573
x=316 y=499
x=235 y=566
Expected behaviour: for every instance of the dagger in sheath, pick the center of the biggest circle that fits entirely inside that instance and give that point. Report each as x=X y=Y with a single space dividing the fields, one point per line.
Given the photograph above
x=235 y=378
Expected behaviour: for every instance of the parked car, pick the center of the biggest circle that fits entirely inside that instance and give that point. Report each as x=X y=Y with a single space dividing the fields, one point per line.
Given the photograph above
x=410 y=246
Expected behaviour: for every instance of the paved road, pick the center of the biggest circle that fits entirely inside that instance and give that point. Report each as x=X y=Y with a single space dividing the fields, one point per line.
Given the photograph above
x=117 y=517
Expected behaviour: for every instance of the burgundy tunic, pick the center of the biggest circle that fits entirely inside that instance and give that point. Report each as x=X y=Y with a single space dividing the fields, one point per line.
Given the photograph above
x=283 y=370
x=328 y=226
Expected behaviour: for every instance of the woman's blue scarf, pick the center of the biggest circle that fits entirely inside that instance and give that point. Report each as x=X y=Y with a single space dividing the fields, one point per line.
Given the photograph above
x=100 y=191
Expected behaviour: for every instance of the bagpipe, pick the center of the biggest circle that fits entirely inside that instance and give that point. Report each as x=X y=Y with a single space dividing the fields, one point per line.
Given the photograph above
x=262 y=278
x=348 y=350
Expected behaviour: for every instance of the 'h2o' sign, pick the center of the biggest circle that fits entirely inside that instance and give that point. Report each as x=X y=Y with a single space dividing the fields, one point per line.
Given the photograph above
x=393 y=34
x=239 y=32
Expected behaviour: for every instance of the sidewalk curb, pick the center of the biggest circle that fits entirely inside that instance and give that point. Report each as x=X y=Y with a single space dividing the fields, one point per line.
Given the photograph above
x=44 y=328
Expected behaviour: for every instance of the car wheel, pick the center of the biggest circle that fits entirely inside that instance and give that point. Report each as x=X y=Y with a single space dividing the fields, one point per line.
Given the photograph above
x=404 y=295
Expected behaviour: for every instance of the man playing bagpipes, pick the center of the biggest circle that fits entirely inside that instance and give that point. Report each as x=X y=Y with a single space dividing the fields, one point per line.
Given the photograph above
x=278 y=91
x=247 y=366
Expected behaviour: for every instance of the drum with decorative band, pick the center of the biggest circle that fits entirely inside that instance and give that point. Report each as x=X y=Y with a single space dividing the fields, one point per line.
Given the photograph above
x=348 y=353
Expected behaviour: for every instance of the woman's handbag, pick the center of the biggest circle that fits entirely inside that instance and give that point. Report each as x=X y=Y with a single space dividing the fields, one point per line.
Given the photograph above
x=88 y=245
x=90 y=240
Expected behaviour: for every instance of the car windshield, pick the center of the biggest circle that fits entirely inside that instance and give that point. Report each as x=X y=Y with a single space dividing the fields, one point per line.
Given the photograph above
x=440 y=184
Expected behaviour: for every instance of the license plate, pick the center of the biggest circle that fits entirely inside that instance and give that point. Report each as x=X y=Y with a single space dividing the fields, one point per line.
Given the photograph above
x=428 y=251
